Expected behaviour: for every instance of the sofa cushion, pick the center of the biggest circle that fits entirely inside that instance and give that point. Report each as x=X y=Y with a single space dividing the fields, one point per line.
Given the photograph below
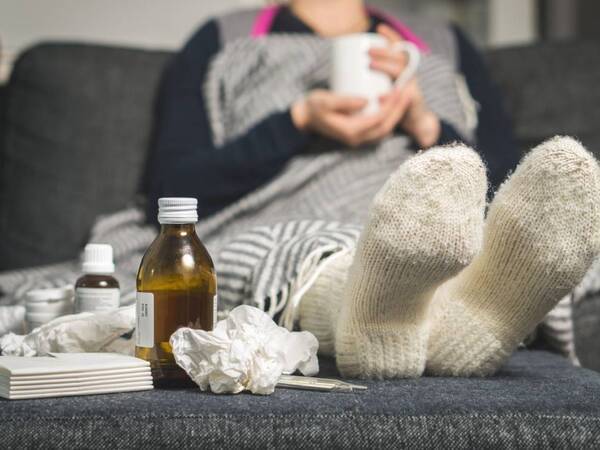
x=537 y=401
x=78 y=122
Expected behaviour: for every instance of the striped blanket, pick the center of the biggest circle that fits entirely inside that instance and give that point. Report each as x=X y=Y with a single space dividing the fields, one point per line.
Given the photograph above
x=269 y=245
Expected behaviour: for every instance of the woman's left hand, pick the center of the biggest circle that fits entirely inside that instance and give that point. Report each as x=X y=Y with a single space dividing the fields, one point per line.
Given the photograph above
x=406 y=105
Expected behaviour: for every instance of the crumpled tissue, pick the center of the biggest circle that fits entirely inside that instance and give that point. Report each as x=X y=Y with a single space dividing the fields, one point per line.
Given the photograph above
x=245 y=351
x=11 y=319
x=76 y=333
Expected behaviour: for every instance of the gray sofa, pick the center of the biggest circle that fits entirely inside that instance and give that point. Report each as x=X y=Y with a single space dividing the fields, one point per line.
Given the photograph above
x=75 y=131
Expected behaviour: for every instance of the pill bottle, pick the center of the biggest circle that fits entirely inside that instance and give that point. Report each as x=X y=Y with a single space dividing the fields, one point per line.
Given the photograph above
x=44 y=305
x=176 y=287
x=97 y=290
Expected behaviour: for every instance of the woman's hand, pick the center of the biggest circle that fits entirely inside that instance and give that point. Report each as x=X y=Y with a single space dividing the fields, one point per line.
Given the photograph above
x=338 y=117
x=408 y=107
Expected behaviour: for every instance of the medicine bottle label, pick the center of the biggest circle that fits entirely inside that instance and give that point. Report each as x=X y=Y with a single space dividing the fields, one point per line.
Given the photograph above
x=96 y=299
x=144 y=320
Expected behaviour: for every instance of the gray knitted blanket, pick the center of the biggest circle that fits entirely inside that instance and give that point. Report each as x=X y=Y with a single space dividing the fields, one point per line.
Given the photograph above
x=269 y=245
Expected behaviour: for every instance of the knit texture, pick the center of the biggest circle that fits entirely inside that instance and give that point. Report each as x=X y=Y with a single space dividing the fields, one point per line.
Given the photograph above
x=322 y=303
x=541 y=235
x=424 y=226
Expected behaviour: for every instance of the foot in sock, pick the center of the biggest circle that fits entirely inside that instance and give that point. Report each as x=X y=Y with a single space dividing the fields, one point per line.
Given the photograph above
x=540 y=236
x=424 y=226
x=321 y=304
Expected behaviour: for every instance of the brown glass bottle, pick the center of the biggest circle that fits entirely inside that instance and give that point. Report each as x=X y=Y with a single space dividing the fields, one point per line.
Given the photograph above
x=97 y=290
x=97 y=281
x=177 y=287
x=105 y=288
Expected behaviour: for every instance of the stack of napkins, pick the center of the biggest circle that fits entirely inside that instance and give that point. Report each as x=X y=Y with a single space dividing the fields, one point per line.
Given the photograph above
x=67 y=374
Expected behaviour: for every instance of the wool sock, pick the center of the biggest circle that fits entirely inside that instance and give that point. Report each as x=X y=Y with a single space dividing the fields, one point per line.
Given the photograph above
x=321 y=304
x=540 y=236
x=424 y=226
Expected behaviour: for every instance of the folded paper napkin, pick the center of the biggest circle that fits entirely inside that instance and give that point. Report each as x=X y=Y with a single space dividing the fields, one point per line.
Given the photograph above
x=245 y=351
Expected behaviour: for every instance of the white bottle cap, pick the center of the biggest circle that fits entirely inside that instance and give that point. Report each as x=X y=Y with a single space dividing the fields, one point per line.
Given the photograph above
x=177 y=210
x=98 y=259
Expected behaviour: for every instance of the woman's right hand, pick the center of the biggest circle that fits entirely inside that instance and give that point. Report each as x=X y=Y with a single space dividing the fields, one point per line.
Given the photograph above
x=335 y=116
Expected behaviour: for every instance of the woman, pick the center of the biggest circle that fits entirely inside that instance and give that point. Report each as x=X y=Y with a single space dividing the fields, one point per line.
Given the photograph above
x=248 y=126
x=185 y=151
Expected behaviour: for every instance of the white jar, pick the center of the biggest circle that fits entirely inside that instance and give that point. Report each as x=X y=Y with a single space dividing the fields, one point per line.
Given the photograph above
x=44 y=305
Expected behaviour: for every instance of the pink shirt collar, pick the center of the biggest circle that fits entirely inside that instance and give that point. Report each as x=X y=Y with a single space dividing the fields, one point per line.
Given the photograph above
x=264 y=21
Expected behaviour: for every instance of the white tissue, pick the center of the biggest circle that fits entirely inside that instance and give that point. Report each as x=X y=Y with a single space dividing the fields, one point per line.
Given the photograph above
x=246 y=351
x=11 y=319
x=76 y=333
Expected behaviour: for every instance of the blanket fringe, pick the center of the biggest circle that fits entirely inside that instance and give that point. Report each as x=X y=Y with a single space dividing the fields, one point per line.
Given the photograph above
x=309 y=271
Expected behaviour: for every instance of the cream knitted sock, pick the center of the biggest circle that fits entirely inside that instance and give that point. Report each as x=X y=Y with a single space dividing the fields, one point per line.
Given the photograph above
x=541 y=234
x=424 y=226
x=321 y=304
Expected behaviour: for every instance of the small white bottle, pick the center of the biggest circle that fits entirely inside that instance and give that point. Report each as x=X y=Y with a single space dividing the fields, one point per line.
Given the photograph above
x=97 y=290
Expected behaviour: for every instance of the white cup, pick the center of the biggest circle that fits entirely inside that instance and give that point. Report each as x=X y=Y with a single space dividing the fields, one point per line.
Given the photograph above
x=351 y=73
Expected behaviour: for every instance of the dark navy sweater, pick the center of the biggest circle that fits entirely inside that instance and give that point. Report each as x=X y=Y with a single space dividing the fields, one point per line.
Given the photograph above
x=185 y=162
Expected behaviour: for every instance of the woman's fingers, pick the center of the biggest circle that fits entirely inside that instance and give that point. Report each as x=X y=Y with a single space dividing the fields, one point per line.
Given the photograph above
x=399 y=109
x=394 y=106
x=339 y=117
x=353 y=129
x=389 y=33
x=390 y=66
x=358 y=123
x=360 y=129
x=387 y=52
x=343 y=103
x=387 y=60
x=378 y=125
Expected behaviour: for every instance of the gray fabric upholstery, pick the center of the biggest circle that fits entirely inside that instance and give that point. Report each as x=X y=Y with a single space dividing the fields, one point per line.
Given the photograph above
x=2 y=126
x=537 y=401
x=551 y=89
x=2 y=106
x=586 y=316
x=78 y=124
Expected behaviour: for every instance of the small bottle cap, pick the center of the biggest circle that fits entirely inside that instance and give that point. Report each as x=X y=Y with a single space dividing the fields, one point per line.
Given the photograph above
x=177 y=210
x=98 y=259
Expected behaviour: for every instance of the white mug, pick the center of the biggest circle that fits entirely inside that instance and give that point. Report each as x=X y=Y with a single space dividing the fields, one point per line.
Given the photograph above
x=351 y=73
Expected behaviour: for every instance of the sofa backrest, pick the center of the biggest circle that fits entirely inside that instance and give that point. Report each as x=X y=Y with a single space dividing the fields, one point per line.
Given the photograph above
x=551 y=88
x=79 y=123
